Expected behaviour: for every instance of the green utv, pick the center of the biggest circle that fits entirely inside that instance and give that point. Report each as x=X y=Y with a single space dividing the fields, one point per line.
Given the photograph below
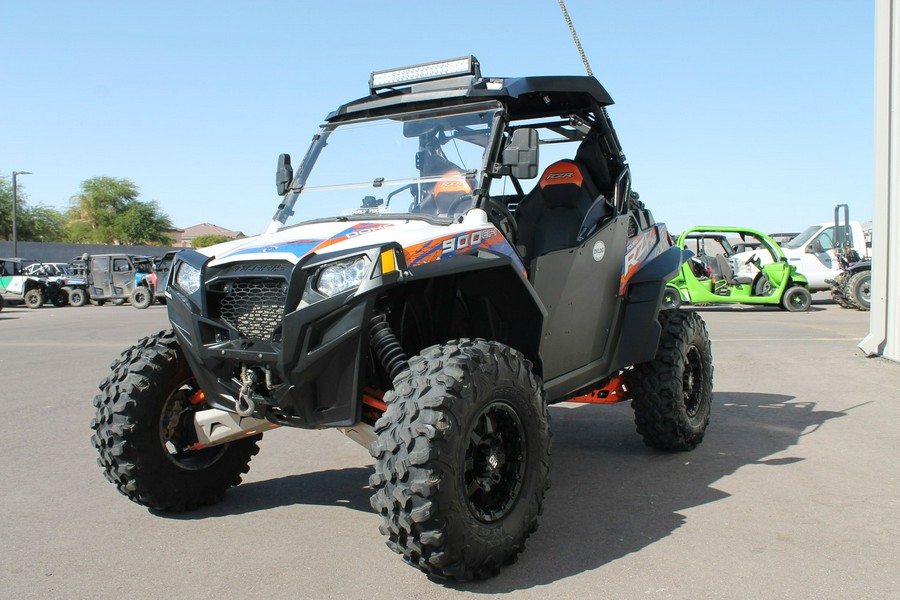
x=720 y=273
x=413 y=292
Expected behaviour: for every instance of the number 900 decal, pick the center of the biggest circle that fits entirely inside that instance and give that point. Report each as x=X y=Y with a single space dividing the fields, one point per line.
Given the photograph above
x=467 y=240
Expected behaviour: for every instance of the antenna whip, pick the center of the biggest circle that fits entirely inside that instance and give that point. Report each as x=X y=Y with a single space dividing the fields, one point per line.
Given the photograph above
x=587 y=66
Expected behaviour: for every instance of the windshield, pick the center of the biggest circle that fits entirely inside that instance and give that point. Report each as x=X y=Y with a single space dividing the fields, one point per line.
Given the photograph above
x=803 y=237
x=425 y=163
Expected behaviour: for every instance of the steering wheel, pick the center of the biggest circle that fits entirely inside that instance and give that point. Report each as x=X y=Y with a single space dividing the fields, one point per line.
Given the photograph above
x=412 y=187
x=458 y=204
x=505 y=215
x=755 y=261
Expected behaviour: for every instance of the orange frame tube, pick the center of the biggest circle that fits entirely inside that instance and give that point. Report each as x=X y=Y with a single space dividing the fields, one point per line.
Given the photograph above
x=616 y=390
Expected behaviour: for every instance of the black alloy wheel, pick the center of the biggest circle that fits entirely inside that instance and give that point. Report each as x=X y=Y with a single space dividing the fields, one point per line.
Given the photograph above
x=495 y=462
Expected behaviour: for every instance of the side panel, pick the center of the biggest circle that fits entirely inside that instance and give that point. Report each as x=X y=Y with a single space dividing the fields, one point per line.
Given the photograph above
x=579 y=287
x=99 y=276
x=13 y=285
x=122 y=276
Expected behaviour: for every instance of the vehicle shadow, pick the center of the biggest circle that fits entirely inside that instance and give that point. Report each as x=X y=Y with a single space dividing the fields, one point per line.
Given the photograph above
x=338 y=487
x=611 y=495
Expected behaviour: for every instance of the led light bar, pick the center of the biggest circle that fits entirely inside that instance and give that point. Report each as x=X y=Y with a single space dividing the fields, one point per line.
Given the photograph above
x=468 y=65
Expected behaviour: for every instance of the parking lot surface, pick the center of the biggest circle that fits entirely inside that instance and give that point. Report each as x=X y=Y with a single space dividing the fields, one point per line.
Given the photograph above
x=795 y=492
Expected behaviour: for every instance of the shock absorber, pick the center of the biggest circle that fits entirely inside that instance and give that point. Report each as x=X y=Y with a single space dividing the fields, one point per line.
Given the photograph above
x=387 y=347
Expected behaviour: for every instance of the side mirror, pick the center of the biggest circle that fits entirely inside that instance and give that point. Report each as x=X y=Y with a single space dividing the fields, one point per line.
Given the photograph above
x=521 y=154
x=284 y=175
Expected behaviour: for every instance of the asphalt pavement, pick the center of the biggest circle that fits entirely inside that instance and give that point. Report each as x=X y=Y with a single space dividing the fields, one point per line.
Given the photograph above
x=794 y=493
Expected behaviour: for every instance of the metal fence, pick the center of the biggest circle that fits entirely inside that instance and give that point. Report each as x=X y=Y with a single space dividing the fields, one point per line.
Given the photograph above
x=46 y=252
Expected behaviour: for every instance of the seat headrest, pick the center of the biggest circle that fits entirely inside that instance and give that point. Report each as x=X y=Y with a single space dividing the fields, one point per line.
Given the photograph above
x=564 y=172
x=452 y=186
x=590 y=154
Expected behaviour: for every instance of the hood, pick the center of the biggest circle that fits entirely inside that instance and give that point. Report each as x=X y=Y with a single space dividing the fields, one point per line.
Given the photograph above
x=293 y=243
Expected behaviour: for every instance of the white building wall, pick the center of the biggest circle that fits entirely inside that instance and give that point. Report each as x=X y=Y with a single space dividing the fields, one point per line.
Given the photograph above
x=884 y=319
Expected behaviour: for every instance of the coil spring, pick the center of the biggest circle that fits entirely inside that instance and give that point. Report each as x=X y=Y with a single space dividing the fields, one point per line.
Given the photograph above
x=387 y=347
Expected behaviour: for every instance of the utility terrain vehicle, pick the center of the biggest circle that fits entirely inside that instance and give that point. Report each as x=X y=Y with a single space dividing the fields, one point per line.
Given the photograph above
x=34 y=287
x=852 y=286
x=150 y=280
x=817 y=251
x=426 y=305
x=105 y=277
x=709 y=277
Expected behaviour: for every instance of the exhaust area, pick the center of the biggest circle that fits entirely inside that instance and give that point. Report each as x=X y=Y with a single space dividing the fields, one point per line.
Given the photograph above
x=215 y=426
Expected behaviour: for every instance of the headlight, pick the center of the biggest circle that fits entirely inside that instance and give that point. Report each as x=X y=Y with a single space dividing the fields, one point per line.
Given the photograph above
x=188 y=278
x=342 y=276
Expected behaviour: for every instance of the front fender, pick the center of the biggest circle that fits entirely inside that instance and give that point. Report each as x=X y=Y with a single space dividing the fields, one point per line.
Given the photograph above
x=643 y=300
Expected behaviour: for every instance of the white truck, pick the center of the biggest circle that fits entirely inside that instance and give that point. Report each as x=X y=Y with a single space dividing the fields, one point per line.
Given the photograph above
x=813 y=252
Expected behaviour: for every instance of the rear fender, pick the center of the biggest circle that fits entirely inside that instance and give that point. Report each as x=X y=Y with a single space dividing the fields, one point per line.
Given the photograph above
x=864 y=265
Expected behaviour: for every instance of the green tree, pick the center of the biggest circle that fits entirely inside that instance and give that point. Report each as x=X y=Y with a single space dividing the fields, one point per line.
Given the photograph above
x=101 y=200
x=5 y=208
x=42 y=224
x=33 y=224
x=202 y=241
x=142 y=223
x=108 y=211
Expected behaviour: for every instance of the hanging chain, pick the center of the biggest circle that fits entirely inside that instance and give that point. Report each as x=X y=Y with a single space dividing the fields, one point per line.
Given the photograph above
x=587 y=66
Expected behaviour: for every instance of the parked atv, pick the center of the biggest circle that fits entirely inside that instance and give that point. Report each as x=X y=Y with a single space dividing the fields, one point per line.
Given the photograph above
x=709 y=276
x=428 y=306
x=144 y=283
x=150 y=280
x=852 y=287
x=34 y=289
x=104 y=278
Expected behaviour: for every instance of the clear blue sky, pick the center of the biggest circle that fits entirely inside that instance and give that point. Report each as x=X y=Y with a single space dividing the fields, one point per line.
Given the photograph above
x=731 y=112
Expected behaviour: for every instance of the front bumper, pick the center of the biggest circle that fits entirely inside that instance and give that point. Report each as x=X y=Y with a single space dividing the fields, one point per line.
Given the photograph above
x=314 y=359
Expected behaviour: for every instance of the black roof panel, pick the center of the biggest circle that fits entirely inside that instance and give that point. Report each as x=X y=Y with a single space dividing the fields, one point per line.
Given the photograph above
x=524 y=97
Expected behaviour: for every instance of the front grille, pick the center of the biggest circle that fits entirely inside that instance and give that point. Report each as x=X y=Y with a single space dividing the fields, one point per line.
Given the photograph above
x=254 y=307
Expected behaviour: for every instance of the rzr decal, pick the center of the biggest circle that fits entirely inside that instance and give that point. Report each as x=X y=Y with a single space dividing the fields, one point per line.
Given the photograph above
x=454 y=186
x=564 y=171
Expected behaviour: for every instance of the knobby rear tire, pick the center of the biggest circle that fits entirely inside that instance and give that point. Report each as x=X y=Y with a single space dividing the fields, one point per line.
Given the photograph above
x=672 y=394
x=860 y=290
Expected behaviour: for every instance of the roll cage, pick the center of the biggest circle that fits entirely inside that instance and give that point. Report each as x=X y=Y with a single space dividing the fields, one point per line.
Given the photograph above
x=563 y=109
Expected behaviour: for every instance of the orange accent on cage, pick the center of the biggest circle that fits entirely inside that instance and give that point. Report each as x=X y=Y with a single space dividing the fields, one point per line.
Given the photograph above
x=373 y=398
x=616 y=390
x=564 y=171
x=198 y=398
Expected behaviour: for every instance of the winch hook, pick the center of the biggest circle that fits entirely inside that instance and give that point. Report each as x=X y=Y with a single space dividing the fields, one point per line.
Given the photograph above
x=245 y=406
